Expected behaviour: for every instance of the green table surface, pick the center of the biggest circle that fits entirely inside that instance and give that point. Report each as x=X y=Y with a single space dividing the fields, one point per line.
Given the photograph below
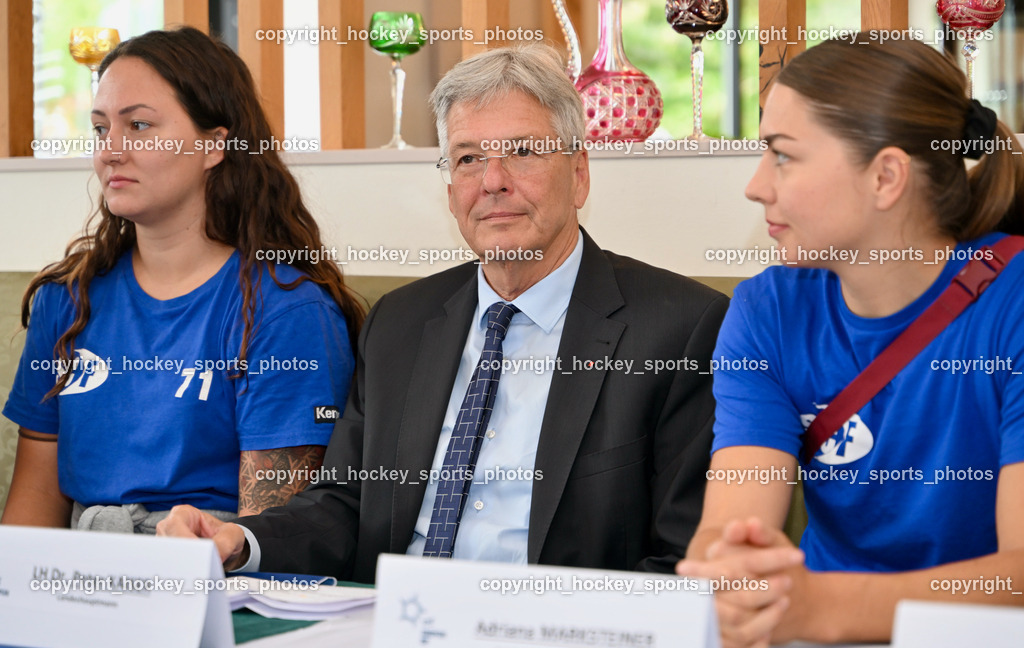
x=250 y=626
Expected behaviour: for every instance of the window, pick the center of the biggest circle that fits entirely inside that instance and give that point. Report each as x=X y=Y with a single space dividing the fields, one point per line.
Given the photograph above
x=63 y=93
x=731 y=83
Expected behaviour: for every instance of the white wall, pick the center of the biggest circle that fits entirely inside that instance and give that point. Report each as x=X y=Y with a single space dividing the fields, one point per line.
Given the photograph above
x=667 y=209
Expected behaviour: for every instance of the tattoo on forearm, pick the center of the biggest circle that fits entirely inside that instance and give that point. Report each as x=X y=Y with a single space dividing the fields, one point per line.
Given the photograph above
x=271 y=477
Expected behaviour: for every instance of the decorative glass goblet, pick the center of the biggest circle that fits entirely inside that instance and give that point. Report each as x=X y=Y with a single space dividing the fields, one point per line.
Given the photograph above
x=971 y=17
x=396 y=34
x=697 y=19
x=88 y=46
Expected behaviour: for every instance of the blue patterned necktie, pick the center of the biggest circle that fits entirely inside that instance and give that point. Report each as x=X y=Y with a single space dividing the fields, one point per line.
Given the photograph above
x=464 y=446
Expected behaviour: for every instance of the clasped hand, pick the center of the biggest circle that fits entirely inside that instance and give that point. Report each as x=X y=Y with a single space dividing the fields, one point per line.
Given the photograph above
x=186 y=521
x=756 y=574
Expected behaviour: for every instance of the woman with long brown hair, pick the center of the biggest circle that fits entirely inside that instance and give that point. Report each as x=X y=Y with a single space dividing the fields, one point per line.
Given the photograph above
x=167 y=360
x=918 y=491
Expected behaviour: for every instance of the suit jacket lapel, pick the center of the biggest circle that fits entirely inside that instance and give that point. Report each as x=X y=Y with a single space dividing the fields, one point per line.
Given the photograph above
x=430 y=388
x=588 y=334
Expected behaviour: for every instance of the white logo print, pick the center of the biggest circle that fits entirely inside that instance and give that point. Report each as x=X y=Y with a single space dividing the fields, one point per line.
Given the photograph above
x=848 y=444
x=89 y=371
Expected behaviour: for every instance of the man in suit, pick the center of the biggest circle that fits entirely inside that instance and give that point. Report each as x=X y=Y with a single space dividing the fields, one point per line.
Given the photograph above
x=510 y=410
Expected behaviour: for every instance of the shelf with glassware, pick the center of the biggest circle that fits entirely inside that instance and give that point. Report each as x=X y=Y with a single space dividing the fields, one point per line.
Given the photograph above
x=341 y=83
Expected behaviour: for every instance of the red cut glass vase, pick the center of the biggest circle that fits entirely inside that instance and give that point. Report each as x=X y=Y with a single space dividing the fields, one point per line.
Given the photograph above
x=620 y=102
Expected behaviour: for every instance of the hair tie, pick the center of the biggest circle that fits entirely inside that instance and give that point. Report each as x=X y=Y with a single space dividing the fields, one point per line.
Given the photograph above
x=980 y=127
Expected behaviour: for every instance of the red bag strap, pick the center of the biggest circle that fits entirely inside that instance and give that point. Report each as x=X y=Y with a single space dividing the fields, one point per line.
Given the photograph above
x=963 y=291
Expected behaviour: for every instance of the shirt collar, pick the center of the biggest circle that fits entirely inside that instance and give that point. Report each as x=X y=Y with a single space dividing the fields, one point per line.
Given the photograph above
x=545 y=301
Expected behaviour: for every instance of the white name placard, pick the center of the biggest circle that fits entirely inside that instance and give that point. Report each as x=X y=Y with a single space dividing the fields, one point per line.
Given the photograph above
x=75 y=588
x=950 y=625
x=441 y=603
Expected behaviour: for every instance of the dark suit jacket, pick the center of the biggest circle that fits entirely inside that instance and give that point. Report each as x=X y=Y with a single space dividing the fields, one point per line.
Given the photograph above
x=623 y=456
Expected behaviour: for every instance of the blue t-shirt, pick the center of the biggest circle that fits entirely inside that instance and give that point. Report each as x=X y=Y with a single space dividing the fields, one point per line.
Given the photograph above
x=927 y=449
x=151 y=413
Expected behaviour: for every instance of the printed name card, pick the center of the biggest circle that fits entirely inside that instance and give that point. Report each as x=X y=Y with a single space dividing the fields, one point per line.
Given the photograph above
x=453 y=603
x=950 y=625
x=75 y=588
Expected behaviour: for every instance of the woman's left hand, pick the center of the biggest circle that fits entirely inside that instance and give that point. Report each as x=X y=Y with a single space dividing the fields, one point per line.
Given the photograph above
x=756 y=574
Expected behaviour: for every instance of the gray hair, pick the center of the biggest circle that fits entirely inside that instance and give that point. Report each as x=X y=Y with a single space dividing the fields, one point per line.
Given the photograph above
x=533 y=69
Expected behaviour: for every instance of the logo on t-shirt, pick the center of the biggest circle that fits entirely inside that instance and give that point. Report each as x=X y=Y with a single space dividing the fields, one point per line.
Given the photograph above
x=89 y=371
x=850 y=443
x=326 y=414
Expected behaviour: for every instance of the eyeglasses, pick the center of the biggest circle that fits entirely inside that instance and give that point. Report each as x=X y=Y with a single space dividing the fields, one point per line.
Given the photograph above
x=519 y=163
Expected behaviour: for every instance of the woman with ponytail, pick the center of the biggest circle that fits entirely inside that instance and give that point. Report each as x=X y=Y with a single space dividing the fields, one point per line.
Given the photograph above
x=168 y=359
x=875 y=212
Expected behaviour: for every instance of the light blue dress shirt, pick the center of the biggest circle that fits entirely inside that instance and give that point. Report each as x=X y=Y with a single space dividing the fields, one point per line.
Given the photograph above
x=496 y=518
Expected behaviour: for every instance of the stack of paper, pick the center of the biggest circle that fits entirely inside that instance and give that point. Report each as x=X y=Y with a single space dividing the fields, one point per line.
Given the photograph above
x=297 y=600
